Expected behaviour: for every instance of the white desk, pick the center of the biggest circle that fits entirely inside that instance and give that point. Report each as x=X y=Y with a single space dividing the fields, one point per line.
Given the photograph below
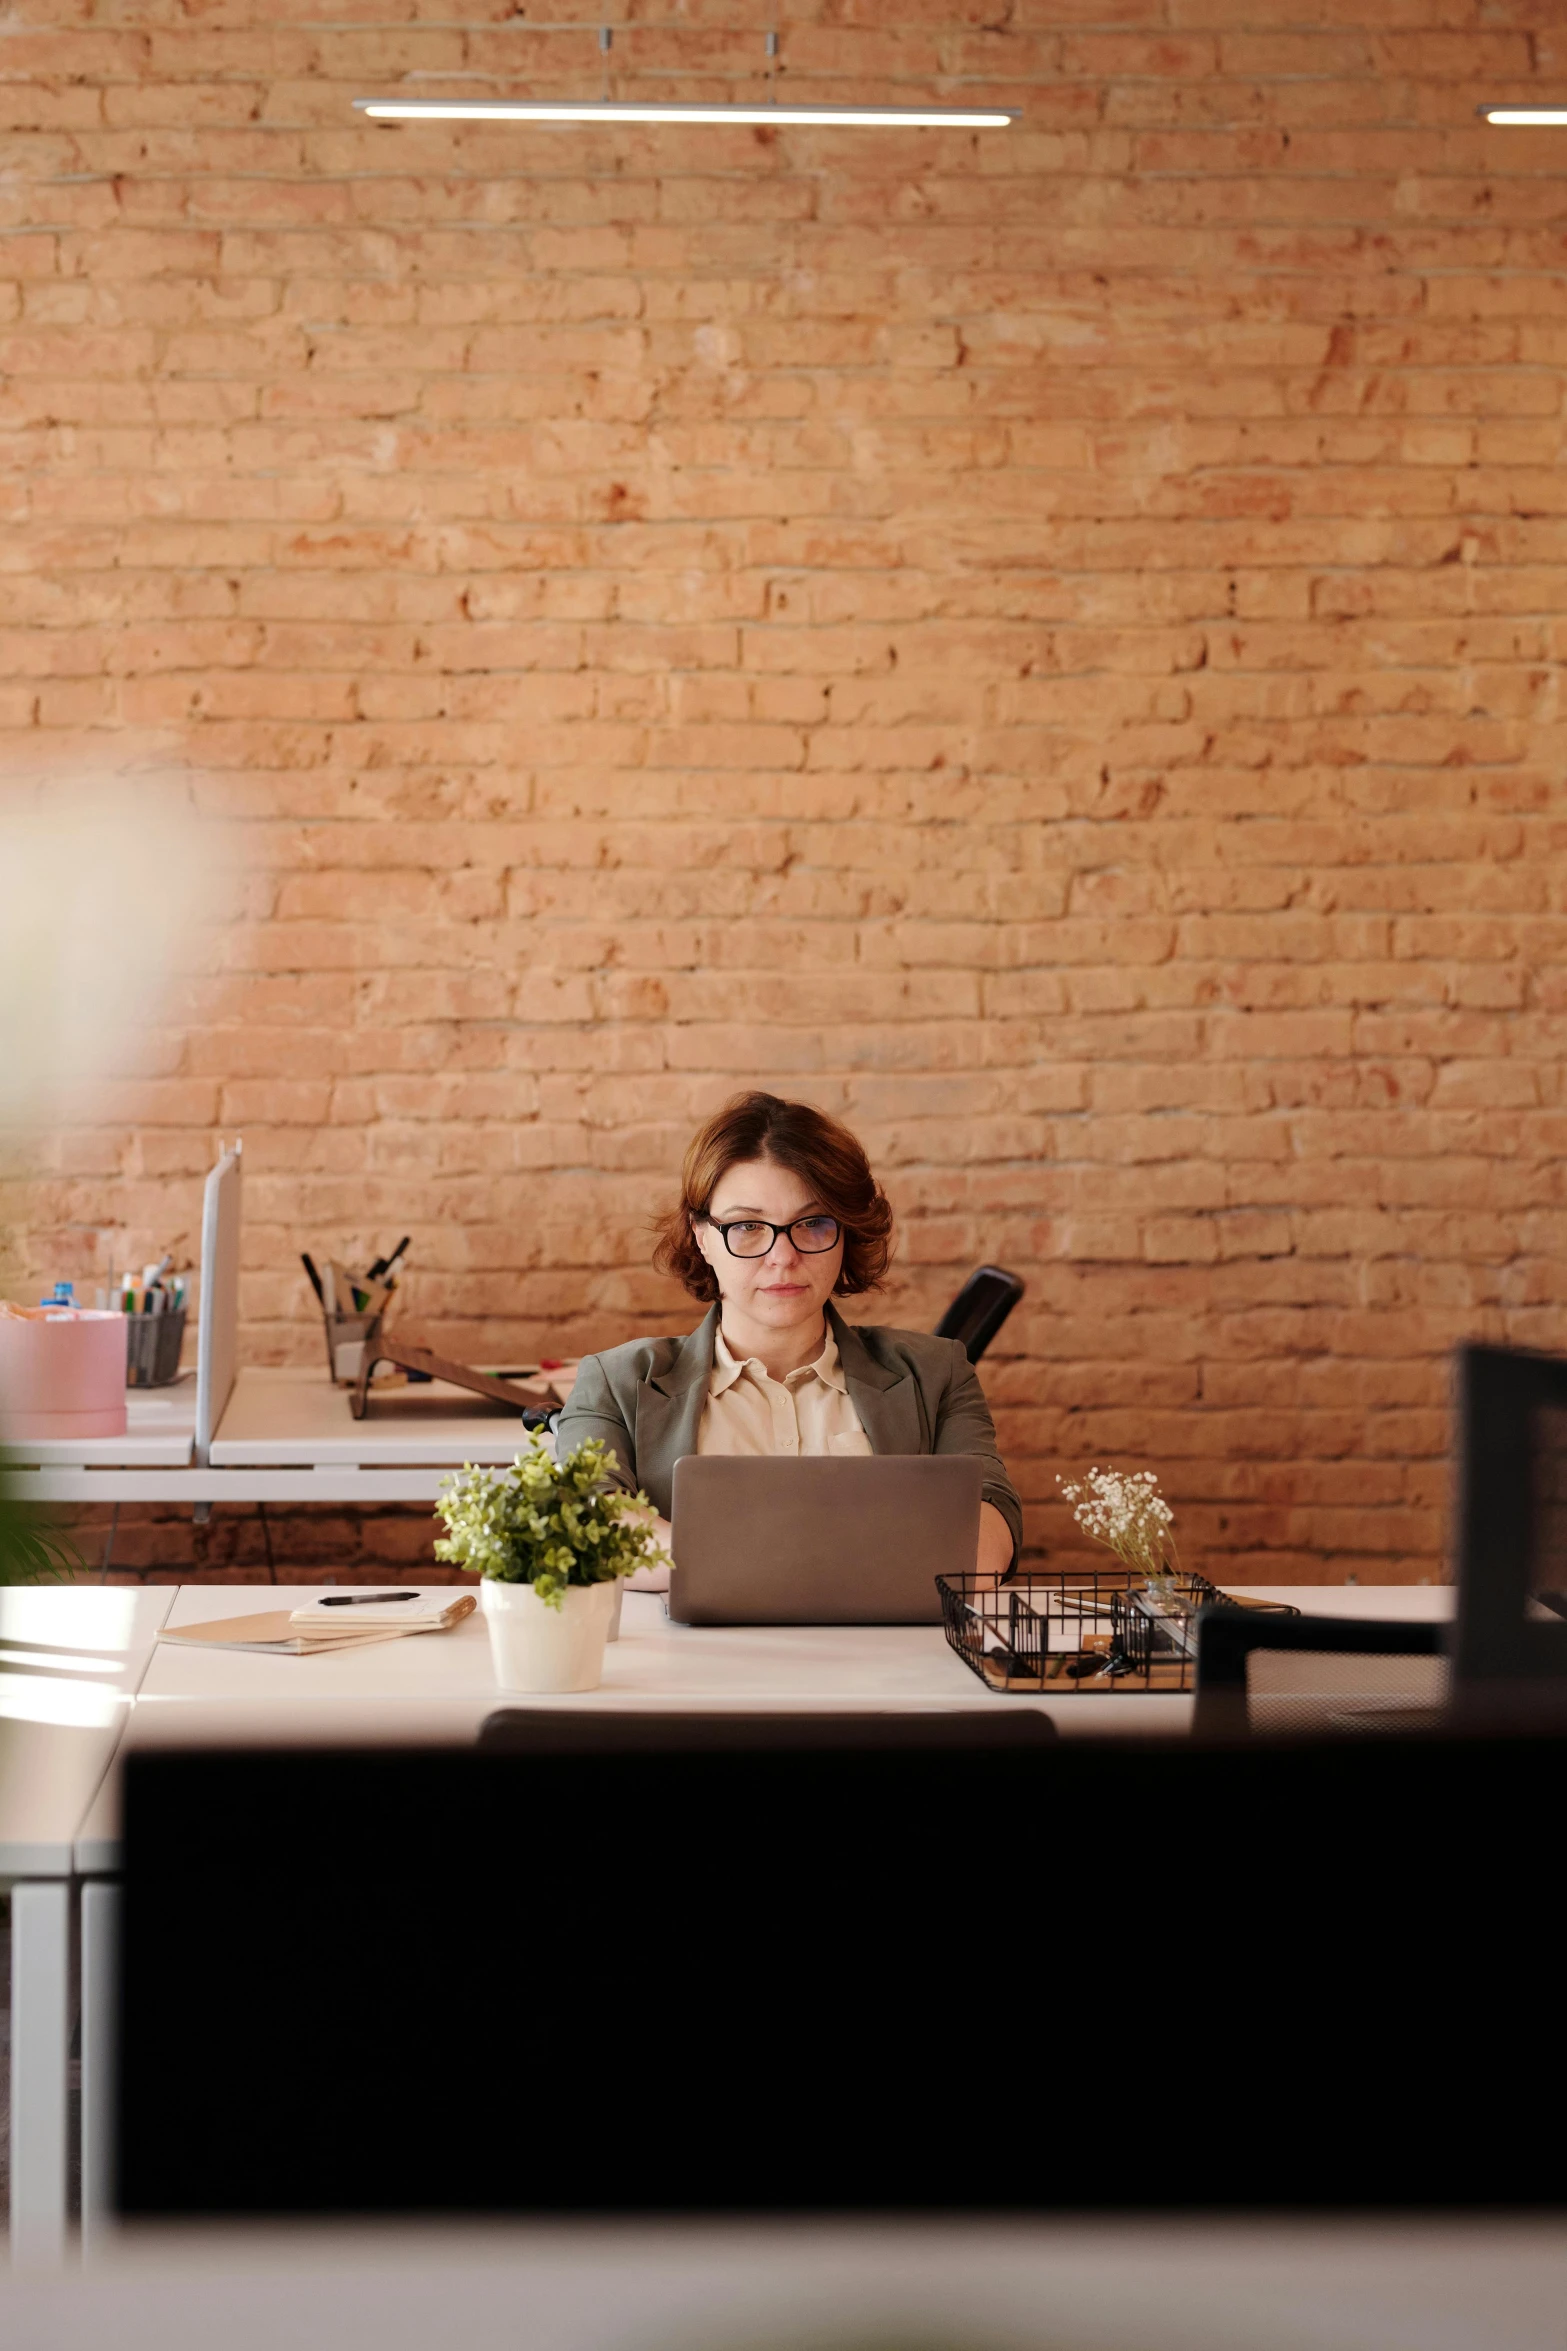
x=297 y=1419
x=284 y=1436
x=160 y=1433
x=70 y=1663
x=437 y=1689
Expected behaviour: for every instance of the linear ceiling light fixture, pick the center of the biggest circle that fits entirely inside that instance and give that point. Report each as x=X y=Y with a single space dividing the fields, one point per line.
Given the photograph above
x=1514 y=116
x=606 y=109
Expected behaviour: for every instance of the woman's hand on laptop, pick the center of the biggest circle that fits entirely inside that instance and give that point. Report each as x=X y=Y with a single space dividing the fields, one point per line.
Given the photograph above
x=995 y=1545
x=655 y=1576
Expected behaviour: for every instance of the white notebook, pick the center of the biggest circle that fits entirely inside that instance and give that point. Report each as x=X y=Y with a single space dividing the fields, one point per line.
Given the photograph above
x=335 y=1614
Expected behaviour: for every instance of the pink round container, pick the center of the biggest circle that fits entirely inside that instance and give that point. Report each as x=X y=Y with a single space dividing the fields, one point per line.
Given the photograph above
x=62 y=1378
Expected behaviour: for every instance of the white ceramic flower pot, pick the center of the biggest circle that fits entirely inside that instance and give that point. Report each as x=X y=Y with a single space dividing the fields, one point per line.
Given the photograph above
x=538 y=1648
x=619 y=1588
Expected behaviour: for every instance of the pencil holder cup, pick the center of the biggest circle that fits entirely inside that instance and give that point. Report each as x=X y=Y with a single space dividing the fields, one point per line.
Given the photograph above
x=152 y=1348
x=345 y=1343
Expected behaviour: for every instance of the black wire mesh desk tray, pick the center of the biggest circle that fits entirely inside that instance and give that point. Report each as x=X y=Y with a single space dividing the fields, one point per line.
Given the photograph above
x=1090 y=1629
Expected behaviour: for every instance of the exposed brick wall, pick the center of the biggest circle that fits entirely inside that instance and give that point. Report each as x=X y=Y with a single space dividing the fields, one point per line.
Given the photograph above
x=1045 y=642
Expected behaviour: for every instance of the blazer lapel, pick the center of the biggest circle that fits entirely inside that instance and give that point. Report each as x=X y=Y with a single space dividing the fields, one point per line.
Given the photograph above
x=887 y=1402
x=669 y=1412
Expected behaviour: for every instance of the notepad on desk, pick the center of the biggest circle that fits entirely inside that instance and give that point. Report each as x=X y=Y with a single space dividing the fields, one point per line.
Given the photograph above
x=329 y=1623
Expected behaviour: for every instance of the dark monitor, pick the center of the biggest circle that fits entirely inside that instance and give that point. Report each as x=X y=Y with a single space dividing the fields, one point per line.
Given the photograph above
x=1131 y=1975
x=1512 y=1522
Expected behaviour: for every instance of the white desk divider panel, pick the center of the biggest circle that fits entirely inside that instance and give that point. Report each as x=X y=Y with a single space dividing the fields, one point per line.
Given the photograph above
x=217 y=1344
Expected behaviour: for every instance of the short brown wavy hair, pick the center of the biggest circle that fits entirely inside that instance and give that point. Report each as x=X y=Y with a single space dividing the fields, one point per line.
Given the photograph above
x=816 y=1148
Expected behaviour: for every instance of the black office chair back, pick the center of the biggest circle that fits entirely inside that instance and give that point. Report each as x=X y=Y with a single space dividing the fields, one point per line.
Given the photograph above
x=527 y=1730
x=1300 y=1676
x=980 y=1308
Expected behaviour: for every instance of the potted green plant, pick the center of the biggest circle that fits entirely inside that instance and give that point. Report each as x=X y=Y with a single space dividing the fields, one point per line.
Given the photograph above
x=551 y=1541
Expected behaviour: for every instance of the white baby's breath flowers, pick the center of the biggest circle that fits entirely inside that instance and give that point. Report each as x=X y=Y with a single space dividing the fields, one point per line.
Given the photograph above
x=1125 y=1511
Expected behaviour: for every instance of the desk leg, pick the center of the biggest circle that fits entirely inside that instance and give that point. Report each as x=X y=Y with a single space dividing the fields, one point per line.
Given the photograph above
x=108 y=1544
x=40 y=2052
x=100 y=2022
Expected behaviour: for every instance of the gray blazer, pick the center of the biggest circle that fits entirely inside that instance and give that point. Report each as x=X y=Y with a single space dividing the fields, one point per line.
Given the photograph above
x=913 y=1394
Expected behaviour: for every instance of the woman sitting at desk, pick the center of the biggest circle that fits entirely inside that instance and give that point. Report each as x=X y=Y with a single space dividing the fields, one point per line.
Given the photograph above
x=779 y=1214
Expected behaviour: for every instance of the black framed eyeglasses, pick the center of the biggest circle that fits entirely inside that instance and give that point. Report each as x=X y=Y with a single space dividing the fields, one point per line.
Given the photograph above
x=748 y=1236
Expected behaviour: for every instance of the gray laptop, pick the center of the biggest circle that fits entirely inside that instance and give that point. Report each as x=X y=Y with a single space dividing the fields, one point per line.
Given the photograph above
x=820 y=1540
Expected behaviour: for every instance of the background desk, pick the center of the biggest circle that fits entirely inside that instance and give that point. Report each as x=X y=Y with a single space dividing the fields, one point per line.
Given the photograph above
x=220 y=1434
x=155 y=1452
x=284 y=1436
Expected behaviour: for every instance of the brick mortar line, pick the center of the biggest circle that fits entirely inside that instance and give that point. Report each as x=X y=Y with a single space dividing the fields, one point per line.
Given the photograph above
x=653 y=174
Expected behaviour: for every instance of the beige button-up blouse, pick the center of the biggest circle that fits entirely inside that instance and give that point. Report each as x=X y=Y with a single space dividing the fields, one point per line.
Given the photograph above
x=808 y=1411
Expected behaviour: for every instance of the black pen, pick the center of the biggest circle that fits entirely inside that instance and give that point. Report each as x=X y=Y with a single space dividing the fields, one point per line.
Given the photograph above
x=358 y=1599
x=308 y=1263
